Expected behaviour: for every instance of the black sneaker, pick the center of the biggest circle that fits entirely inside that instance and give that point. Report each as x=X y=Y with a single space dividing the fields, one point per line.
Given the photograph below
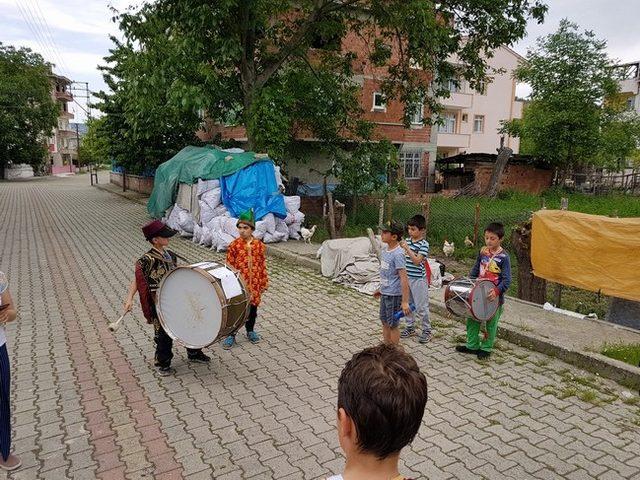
x=166 y=371
x=464 y=349
x=199 y=358
x=482 y=354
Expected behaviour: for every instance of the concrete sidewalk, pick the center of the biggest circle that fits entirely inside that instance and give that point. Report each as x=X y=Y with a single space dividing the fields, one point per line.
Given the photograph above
x=573 y=340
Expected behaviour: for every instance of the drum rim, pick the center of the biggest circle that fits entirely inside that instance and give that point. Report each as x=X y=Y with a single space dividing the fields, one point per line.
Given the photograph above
x=216 y=287
x=478 y=281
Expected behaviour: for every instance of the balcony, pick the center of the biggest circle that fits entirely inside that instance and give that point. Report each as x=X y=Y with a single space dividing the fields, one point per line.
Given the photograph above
x=453 y=140
x=67 y=115
x=457 y=101
x=64 y=96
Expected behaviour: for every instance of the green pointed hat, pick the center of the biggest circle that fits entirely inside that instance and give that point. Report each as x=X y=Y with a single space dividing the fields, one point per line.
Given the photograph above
x=247 y=218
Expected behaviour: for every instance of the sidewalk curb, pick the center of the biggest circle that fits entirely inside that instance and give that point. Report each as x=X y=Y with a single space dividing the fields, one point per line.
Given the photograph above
x=120 y=194
x=294 y=258
x=623 y=373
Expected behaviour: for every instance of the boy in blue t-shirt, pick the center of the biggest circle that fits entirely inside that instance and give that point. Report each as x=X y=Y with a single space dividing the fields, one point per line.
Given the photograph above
x=394 y=285
x=416 y=250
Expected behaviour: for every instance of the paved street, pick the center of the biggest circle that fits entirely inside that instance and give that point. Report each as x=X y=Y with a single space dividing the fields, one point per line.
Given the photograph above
x=88 y=403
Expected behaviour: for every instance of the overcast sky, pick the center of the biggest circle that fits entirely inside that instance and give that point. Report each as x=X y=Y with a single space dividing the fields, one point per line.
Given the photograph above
x=73 y=34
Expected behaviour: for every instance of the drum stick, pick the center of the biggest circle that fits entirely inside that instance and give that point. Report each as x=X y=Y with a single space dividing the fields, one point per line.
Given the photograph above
x=113 y=327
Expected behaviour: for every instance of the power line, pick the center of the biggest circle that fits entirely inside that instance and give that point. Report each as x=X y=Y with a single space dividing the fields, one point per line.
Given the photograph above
x=52 y=39
x=36 y=33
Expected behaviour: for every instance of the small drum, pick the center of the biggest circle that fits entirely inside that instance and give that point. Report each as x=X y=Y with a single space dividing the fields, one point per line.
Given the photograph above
x=465 y=297
x=201 y=303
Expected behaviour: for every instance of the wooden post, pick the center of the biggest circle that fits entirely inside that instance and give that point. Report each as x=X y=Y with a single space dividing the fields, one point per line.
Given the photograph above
x=381 y=214
x=332 y=218
x=389 y=206
x=124 y=180
x=530 y=287
x=426 y=210
x=564 y=203
x=557 y=291
x=476 y=224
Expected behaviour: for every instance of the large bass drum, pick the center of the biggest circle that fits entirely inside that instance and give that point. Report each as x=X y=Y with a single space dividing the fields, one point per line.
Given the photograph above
x=202 y=303
x=466 y=297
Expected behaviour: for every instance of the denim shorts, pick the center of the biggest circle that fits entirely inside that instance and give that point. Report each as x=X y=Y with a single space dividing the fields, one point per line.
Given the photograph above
x=389 y=306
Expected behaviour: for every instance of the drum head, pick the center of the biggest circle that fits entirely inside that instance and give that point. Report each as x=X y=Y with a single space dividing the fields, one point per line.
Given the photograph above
x=190 y=307
x=482 y=308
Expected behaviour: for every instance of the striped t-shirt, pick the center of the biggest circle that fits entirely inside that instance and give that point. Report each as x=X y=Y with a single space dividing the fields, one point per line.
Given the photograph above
x=421 y=247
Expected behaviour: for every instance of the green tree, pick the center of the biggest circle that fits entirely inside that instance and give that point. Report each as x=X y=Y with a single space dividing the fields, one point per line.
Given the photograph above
x=141 y=128
x=94 y=147
x=283 y=67
x=28 y=114
x=572 y=119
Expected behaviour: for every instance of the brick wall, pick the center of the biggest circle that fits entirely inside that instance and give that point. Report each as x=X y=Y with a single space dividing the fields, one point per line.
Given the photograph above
x=522 y=178
x=134 y=182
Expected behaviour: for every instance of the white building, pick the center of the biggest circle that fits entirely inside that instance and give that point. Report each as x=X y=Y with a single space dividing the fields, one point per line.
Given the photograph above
x=630 y=85
x=472 y=118
x=62 y=150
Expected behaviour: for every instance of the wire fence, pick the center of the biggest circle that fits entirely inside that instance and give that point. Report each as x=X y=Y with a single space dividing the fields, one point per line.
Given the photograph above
x=462 y=220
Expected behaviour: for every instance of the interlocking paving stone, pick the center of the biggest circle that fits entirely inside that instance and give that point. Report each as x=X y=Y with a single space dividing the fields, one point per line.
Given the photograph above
x=87 y=403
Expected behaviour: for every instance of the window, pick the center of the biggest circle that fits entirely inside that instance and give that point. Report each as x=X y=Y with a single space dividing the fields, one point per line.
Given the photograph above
x=410 y=162
x=482 y=87
x=478 y=124
x=449 y=123
x=379 y=103
x=416 y=116
x=631 y=101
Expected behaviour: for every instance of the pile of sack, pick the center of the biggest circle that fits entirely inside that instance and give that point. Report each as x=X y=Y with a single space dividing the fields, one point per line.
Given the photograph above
x=214 y=226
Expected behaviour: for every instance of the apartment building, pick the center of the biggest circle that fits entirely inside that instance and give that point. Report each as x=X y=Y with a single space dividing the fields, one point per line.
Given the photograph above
x=472 y=117
x=630 y=85
x=62 y=149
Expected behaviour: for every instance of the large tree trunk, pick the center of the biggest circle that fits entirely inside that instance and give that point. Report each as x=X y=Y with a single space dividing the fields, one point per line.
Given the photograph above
x=530 y=288
x=498 y=170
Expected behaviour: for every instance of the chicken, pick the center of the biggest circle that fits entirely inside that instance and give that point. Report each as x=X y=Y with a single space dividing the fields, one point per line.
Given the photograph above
x=307 y=233
x=448 y=248
x=468 y=242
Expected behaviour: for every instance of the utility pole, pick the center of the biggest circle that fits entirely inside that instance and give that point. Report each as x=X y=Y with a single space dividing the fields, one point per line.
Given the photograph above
x=77 y=144
x=82 y=91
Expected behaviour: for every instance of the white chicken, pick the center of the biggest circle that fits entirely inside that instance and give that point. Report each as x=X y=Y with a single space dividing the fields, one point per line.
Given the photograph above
x=468 y=242
x=307 y=233
x=448 y=248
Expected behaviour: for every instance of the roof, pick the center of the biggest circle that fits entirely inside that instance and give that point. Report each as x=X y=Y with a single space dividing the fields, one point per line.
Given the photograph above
x=466 y=158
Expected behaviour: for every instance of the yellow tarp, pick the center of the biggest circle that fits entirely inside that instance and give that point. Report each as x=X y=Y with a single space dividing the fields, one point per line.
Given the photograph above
x=587 y=251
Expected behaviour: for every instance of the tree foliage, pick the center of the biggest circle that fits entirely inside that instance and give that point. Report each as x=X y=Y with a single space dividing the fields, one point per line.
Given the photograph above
x=573 y=118
x=28 y=113
x=94 y=147
x=287 y=69
x=141 y=127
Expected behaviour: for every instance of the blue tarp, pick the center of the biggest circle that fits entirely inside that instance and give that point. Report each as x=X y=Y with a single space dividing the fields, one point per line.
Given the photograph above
x=253 y=187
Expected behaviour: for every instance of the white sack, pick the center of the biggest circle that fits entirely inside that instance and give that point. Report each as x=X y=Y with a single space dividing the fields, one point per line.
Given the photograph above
x=292 y=203
x=206 y=185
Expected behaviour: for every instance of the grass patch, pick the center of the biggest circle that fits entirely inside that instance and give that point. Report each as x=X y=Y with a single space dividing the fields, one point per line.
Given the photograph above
x=628 y=353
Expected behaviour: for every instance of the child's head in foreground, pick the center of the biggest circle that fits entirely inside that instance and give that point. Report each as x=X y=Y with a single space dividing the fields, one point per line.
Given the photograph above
x=381 y=400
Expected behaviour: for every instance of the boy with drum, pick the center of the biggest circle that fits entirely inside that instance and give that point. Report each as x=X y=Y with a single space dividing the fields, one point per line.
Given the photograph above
x=493 y=263
x=150 y=269
x=394 y=285
x=248 y=255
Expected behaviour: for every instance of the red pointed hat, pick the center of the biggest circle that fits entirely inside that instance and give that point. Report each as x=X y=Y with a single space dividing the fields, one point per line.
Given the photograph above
x=156 y=228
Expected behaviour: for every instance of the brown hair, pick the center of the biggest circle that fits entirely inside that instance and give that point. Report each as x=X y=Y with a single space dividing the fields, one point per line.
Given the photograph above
x=385 y=394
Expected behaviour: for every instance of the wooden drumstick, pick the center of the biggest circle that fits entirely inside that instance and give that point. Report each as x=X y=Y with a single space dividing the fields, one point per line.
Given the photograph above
x=113 y=327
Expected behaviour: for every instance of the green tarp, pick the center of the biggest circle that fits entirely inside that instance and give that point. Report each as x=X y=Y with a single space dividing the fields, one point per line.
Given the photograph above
x=187 y=166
